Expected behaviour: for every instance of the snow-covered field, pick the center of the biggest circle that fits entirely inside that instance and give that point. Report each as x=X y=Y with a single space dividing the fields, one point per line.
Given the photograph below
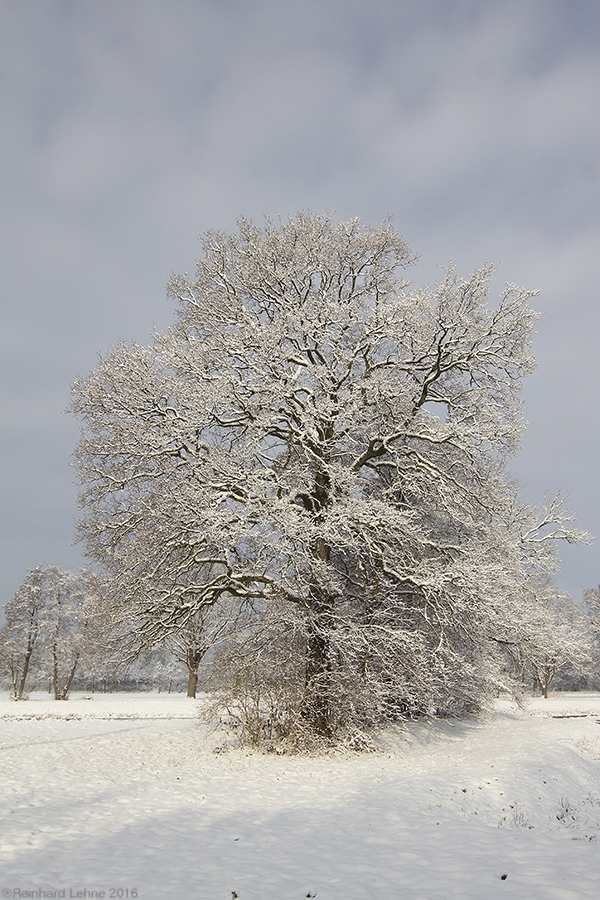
x=125 y=796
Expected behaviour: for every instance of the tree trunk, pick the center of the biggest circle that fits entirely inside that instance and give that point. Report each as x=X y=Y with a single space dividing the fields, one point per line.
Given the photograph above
x=193 y=658
x=55 y=672
x=21 y=687
x=192 y=683
x=19 y=691
x=317 y=704
x=317 y=700
x=64 y=691
x=549 y=672
x=14 y=683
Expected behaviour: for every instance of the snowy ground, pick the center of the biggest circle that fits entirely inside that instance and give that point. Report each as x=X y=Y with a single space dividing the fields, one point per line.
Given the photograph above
x=125 y=795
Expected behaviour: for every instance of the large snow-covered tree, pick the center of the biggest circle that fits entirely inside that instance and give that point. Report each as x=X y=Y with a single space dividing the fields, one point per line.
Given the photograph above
x=315 y=432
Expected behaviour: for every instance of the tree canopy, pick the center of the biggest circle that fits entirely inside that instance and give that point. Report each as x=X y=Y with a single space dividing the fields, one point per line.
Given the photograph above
x=317 y=435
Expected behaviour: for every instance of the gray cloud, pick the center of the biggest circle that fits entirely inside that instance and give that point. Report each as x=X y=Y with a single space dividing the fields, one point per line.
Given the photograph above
x=130 y=128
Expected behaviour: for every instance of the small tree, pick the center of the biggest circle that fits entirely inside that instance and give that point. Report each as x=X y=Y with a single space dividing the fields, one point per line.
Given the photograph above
x=591 y=598
x=20 y=636
x=559 y=641
x=72 y=625
x=189 y=641
x=551 y=636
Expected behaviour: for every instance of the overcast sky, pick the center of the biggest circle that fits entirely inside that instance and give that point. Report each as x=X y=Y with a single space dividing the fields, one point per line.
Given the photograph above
x=129 y=127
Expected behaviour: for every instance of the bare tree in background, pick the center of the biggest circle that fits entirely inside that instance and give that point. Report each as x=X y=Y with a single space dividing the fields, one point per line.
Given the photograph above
x=72 y=615
x=54 y=622
x=20 y=635
x=190 y=641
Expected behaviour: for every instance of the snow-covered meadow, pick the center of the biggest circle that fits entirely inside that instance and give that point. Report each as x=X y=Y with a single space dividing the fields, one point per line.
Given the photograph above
x=133 y=796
